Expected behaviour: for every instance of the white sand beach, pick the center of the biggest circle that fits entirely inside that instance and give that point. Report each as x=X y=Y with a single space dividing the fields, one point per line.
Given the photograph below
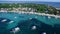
x=43 y=14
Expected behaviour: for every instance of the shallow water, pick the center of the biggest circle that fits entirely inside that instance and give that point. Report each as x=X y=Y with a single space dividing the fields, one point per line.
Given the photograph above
x=26 y=21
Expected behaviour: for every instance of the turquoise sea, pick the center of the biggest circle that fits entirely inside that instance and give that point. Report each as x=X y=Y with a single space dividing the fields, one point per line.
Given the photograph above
x=26 y=21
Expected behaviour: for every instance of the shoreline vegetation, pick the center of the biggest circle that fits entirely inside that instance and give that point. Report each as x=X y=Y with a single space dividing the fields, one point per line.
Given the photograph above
x=38 y=8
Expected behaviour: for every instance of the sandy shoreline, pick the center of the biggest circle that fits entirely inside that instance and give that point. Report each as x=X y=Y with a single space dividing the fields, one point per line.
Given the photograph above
x=43 y=14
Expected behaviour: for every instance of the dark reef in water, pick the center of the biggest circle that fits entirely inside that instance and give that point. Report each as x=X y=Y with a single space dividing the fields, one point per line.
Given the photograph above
x=41 y=27
x=3 y=25
x=26 y=27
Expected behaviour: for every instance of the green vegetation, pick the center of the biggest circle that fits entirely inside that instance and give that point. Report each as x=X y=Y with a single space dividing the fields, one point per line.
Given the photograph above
x=42 y=8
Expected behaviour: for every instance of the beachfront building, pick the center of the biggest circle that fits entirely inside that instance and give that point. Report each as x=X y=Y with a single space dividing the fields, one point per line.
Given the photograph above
x=18 y=9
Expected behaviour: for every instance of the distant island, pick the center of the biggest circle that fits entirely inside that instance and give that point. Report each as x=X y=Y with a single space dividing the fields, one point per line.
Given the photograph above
x=30 y=7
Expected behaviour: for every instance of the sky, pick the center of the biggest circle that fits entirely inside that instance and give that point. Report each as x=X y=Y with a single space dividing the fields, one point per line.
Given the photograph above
x=34 y=0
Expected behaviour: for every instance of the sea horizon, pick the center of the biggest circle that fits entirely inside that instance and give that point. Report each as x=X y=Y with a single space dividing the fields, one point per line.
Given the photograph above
x=54 y=4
